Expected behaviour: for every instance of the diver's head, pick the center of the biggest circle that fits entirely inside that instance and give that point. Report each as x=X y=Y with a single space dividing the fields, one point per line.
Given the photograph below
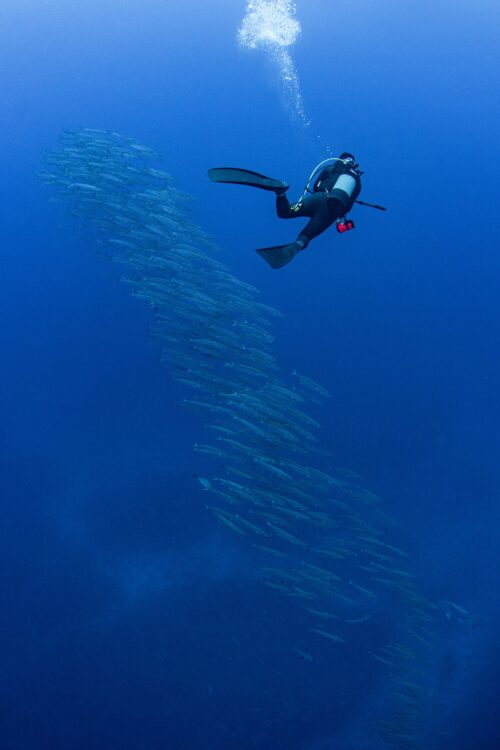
x=348 y=158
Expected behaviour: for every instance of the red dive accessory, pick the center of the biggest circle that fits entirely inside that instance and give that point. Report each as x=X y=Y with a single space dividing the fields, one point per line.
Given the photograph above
x=344 y=225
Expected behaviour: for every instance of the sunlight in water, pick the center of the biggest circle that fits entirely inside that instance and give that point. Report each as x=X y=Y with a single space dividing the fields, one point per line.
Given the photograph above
x=271 y=25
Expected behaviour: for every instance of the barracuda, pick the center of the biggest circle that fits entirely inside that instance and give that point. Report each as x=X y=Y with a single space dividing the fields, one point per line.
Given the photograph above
x=331 y=636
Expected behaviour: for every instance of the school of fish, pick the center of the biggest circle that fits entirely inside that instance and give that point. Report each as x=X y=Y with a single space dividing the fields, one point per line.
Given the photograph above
x=318 y=538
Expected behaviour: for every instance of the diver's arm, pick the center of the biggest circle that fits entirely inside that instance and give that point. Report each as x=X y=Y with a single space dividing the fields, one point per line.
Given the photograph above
x=326 y=176
x=323 y=175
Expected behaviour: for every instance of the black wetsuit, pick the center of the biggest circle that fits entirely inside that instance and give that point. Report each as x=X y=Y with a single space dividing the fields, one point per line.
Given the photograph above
x=321 y=208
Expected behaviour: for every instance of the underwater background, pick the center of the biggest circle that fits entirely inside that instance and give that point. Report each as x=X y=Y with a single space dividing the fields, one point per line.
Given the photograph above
x=131 y=617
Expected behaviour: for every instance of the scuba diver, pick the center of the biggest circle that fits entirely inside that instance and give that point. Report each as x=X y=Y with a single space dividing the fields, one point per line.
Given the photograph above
x=330 y=193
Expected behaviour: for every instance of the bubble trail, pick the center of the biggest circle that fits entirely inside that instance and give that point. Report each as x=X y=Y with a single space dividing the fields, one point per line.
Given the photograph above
x=272 y=26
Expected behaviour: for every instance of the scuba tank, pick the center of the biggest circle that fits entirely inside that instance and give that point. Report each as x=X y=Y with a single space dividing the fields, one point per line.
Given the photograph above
x=316 y=171
x=342 y=190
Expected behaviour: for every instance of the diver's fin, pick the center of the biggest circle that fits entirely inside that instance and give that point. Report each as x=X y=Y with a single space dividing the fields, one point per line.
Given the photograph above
x=246 y=177
x=279 y=256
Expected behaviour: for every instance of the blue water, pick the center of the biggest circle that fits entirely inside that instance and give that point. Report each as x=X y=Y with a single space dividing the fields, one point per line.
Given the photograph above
x=129 y=618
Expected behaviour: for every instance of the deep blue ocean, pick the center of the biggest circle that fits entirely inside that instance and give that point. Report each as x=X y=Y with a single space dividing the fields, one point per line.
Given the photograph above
x=130 y=618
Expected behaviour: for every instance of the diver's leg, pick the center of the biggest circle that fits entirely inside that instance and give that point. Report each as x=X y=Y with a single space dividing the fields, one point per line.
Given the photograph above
x=283 y=208
x=293 y=211
x=277 y=257
x=322 y=217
